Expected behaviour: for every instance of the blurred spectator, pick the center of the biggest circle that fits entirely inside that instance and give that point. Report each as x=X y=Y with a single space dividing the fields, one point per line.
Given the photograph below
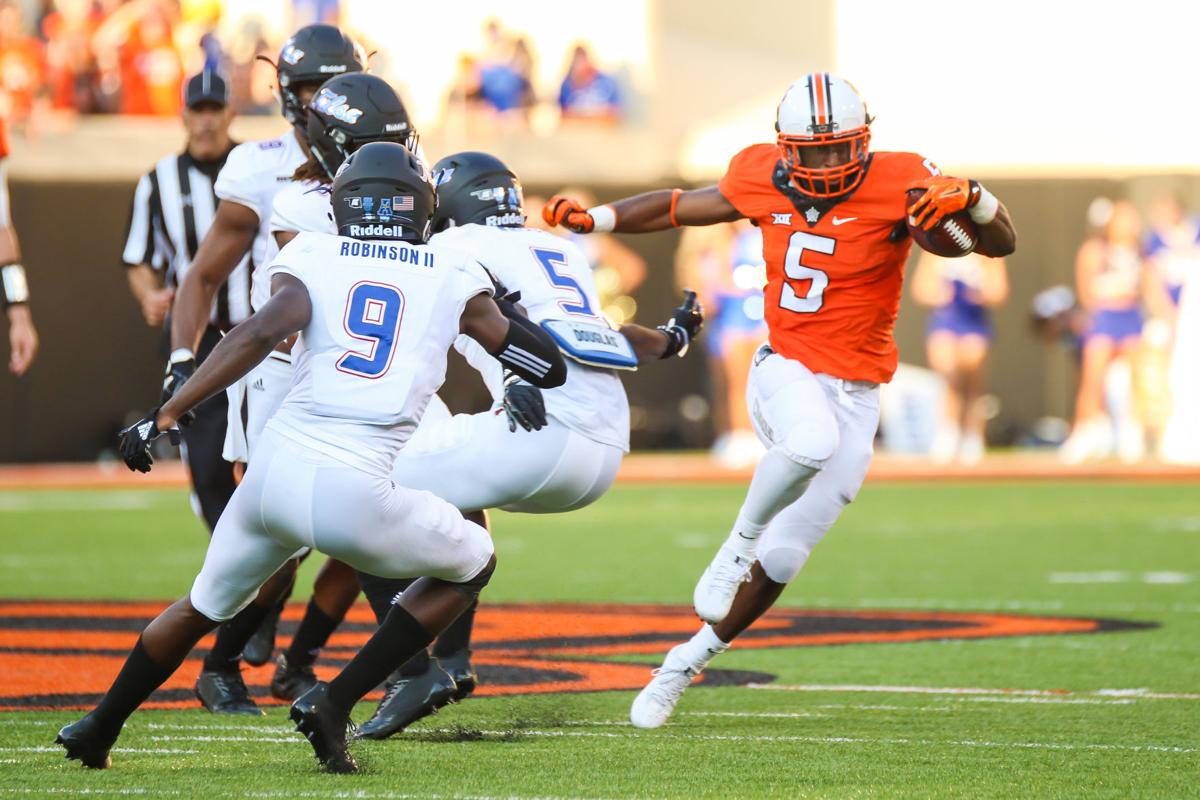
x=587 y=93
x=504 y=84
x=136 y=42
x=466 y=90
x=724 y=265
x=1172 y=250
x=71 y=63
x=1172 y=253
x=1180 y=442
x=960 y=291
x=22 y=65
x=1108 y=275
x=251 y=78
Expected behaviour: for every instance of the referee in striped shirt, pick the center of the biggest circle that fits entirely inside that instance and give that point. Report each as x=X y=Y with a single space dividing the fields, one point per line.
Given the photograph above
x=173 y=207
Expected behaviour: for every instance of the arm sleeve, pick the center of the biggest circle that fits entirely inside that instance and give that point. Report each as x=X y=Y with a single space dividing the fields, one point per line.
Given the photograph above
x=236 y=181
x=139 y=239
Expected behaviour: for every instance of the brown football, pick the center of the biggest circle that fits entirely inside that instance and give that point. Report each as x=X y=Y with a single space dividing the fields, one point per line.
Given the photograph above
x=955 y=235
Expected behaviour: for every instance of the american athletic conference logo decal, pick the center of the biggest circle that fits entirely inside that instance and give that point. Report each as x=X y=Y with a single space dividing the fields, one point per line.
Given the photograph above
x=64 y=654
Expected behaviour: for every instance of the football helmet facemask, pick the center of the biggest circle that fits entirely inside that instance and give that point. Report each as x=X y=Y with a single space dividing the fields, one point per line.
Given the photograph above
x=822 y=110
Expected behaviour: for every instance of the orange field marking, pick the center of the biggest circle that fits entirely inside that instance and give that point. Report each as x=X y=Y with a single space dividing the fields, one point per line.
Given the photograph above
x=64 y=655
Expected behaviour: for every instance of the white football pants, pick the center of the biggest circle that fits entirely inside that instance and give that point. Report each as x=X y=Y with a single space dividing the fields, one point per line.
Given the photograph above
x=261 y=392
x=474 y=462
x=293 y=497
x=810 y=415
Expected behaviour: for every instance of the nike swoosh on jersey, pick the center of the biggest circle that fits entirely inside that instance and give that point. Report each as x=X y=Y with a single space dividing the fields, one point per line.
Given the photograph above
x=843 y=220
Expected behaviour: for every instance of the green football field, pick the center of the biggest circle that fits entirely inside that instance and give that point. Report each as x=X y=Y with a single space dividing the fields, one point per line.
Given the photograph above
x=1114 y=713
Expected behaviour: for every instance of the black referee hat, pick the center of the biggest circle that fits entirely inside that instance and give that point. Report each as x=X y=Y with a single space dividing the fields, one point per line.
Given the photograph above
x=206 y=87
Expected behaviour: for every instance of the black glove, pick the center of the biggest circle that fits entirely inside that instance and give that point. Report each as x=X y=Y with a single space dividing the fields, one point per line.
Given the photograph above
x=523 y=404
x=181 y=367
x=683 y=326
x=134 y=442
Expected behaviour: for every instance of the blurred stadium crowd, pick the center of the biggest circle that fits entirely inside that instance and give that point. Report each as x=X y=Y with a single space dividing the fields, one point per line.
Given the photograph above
x=63 y=58
x=1125 y=321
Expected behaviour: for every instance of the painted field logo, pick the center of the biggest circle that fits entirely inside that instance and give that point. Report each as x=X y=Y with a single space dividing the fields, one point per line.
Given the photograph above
x=65 y=654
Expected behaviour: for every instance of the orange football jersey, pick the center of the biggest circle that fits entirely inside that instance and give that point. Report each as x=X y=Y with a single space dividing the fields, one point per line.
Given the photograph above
x=3 y=139
x=834 y=270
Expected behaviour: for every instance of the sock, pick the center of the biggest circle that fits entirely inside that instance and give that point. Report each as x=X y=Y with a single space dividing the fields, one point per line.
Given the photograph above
x=314 y=631
x=381 y=592
x=457 y=637
x=136 y=681
x=232 y=637
x=777 y=483
x=398 y=639
x=703 y=647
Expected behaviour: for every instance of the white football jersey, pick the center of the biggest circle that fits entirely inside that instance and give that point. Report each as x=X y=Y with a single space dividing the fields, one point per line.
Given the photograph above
x=555 y=282
x=252 y=175
x=303 y=206
x=384 y=314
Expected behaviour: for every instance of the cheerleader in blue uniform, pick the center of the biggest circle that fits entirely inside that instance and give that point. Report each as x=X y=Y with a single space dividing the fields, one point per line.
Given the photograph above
x=960 y=291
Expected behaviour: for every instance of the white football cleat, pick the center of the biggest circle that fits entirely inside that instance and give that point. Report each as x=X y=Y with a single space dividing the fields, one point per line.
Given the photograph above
x=654 y=704
x=719 y=584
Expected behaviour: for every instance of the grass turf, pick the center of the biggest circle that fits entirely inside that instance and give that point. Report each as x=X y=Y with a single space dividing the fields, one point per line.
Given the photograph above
x=1121 y=551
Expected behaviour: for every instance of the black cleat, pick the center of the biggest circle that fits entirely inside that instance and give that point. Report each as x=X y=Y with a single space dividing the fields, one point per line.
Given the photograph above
x=409 y=699
x=458 y=666
x=225 y=693
x=291 y=680
x=88 y=743
x=261 y=646
x=325 y=728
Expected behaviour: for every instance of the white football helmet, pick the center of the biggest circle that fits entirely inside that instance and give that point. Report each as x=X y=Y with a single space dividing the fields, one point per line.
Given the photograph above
x=823 y=110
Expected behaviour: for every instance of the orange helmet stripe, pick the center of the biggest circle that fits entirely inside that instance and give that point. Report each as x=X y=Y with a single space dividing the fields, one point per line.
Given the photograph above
x=822 y=104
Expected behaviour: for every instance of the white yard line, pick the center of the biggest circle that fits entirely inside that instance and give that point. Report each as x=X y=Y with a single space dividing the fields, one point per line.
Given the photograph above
x=757 y=714
x=1134 y=694
x=1135 y=748
x=353 y=794
x=135 y=500
x=57 y=749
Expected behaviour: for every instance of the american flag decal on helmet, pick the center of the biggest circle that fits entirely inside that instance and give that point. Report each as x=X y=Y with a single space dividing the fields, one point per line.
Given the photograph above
x=402 y=202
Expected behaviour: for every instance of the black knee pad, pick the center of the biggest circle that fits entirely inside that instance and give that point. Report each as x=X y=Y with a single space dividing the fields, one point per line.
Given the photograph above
x=473 y=587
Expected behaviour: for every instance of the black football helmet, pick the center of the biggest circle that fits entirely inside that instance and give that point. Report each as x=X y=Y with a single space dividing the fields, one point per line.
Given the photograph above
x=381 y=192
x=350 y=110
x=479 y=188
x=314 y=54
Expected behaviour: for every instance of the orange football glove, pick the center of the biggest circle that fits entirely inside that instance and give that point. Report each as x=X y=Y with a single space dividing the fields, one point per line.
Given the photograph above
x=566 y=212
x=943 y=195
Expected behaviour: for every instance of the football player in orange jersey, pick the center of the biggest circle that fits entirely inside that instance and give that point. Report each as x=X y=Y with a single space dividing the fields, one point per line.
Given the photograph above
x=835 y=241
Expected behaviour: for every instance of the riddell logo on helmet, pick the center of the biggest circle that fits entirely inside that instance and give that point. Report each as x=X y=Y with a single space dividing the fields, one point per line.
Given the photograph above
x=506 y=219
x=376 y=230
x=332 y=68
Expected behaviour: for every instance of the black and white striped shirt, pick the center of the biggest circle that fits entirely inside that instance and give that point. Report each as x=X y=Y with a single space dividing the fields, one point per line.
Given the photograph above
x=173 y=207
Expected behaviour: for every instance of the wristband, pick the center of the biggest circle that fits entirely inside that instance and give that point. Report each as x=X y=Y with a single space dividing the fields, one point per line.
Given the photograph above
x=985 y=208
x=604 y=219
x=677 y=341
x=180 y=355
x=674 y=202
x=15 y=286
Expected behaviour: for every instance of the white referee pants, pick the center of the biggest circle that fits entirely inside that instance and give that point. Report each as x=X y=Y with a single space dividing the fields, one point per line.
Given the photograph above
x=294 y=497
x=786 y=398
x=474 y=462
